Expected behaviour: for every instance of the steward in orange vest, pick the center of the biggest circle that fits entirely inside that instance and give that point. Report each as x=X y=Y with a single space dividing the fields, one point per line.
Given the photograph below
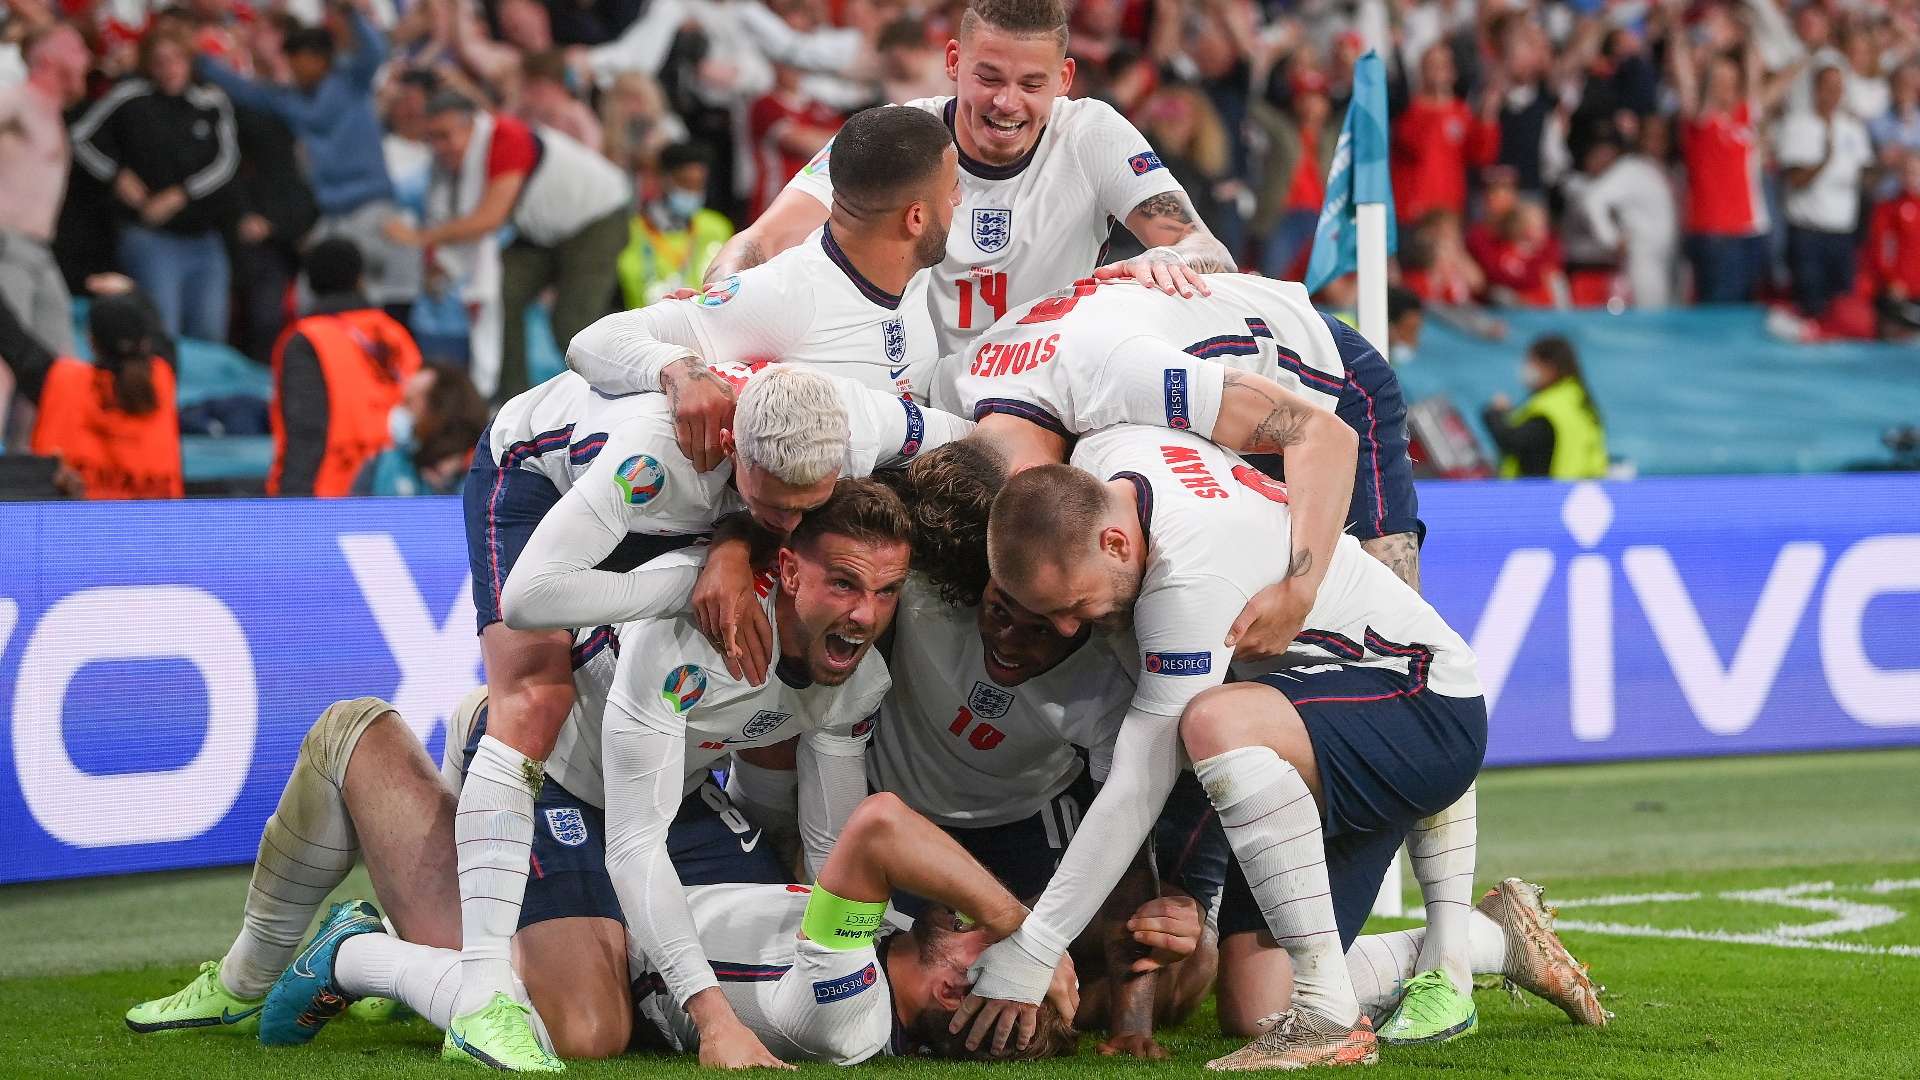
x=114 y=421
x=337 y=374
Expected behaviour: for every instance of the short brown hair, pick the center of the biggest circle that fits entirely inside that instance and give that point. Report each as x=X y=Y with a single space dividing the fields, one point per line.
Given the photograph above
x=864 y=510
x=952 y=492
x=1043 y=516
x=1021 y=18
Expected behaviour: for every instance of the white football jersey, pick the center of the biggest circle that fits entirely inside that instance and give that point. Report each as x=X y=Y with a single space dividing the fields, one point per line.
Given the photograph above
x=967 y=752
x=671 y=679
x=806 y=305
x=1099 y=354
x=1217 y=533
x=622 y=472
x=1026 y=229
x=806 y=1002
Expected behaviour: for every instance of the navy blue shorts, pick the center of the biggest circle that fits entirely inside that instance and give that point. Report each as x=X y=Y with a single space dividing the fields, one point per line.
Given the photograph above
x=1389 y=752
x=1384 y=502
x=1023 y=854
x=710 y=841
x=1189 y=846
x=504 y=504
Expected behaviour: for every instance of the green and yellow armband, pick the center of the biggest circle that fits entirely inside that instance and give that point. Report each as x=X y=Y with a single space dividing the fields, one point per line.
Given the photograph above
x=839 y=923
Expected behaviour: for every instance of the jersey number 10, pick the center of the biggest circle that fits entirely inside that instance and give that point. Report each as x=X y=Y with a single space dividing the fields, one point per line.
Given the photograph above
x=993 y=294
x=984 y=736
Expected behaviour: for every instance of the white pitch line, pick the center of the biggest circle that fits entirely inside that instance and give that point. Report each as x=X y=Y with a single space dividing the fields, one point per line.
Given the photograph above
x=1727 y=937
x=1887 y=885
x=1623 y=899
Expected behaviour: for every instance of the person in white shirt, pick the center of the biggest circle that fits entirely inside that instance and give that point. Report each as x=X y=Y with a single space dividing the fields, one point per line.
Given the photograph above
x=568 y=207
x=1629 y=207
x=1042 y=176
x=1824 y=154
x=796 y=431
x=1147 y=531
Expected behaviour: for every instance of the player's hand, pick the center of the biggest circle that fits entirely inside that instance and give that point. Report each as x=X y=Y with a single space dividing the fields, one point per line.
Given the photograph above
x=729 y=612
x=1133 y=1046
x=702 y=405
x=995 y=1023
x=1266 y=627
x=732 y=1046
x=1063 y=993
x=1157 y=268
x=162 y=206
x=681 y=293
x=1169 y=928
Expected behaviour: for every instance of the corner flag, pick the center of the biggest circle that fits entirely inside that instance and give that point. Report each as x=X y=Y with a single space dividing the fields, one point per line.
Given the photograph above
x=1358 y=176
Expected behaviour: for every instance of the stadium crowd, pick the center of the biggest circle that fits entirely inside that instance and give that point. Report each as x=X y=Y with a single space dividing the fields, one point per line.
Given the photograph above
x=194 y=156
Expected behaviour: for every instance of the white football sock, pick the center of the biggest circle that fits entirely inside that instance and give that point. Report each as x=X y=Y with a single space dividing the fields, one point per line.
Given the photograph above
x=426 y=979
x=306 y=850
x=1273 y=827
x=493 y=831
x=1441 y=851
x=1379 y=963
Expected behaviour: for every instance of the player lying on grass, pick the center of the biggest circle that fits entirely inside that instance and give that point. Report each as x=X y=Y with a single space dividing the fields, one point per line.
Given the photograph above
x=670 y=711
x=1376 y=717
x=1043 y=176
x=965 y=650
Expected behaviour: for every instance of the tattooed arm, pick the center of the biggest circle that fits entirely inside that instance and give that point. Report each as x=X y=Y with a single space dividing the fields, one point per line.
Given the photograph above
x=1401 y=554
x=1179 y=247
x=787 y=221
x=1258 y=415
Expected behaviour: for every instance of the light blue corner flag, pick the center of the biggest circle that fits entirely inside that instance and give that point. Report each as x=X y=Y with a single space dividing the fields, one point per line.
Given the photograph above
x=1359 y=175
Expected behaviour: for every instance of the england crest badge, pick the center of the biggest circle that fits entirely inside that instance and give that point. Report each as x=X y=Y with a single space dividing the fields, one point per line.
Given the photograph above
x=992 y=229
x=989 y=701
x=567 y=825
x=763 y=721
x=894 y=333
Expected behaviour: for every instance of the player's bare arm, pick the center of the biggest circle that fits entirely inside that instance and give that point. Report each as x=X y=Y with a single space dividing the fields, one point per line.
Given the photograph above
x=1179 y=247
x=1401 y=554
x=1258 y=415
x=1130 y=992
x=724 y=602
x=787 y=221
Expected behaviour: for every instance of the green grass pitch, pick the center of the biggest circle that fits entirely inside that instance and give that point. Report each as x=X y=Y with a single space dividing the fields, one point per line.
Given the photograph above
x=1762 y=919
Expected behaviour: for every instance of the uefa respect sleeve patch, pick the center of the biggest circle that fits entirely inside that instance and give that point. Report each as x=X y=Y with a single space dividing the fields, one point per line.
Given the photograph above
x=828 y=991
x=1142 y=164
x=1176 y=395
x=1177 y=663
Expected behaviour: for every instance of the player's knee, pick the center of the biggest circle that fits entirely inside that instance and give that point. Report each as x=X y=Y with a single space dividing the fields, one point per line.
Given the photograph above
x=329 y=743
x=877 y=816
x=595 y=1027
x=1219 y=719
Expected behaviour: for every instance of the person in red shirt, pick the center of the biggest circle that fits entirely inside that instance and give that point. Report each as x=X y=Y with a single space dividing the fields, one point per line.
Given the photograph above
x=1726 y=211
x=1436 y=265
x=1522 y=258
x=785 y=126
x=1893 y=255
x=1438 y=138
x=1302 y=140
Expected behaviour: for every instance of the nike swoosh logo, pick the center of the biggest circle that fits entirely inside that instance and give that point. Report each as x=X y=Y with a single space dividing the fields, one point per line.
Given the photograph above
x=228 y=1016
x=748 y=845
x=299 y=964
x=894 y=373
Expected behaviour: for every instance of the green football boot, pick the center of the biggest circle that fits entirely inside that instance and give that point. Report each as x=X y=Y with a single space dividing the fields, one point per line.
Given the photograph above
x=500 y=1036
x=379 y=1010
x=202 y=1003
x=1432 y=1011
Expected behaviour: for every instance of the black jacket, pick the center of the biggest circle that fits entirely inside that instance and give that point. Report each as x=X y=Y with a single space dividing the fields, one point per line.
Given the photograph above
x=189 y=140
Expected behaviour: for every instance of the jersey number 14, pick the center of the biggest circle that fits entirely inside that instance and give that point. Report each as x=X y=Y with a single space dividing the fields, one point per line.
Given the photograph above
x=993 y=294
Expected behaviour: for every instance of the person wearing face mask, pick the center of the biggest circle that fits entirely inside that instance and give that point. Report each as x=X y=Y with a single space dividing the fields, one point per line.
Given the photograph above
x=338 y=374
x=433 y=431
x=675 y=235
x=1557 y=430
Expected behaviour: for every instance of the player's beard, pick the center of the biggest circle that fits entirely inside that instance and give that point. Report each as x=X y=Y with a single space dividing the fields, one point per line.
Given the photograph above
x=1126 y=589
x=931 y=248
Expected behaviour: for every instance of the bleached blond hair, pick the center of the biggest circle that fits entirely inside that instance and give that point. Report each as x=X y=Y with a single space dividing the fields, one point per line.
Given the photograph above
x=790 y=423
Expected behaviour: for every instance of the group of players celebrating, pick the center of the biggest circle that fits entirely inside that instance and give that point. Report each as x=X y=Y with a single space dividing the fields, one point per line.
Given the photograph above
x=898 y=505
